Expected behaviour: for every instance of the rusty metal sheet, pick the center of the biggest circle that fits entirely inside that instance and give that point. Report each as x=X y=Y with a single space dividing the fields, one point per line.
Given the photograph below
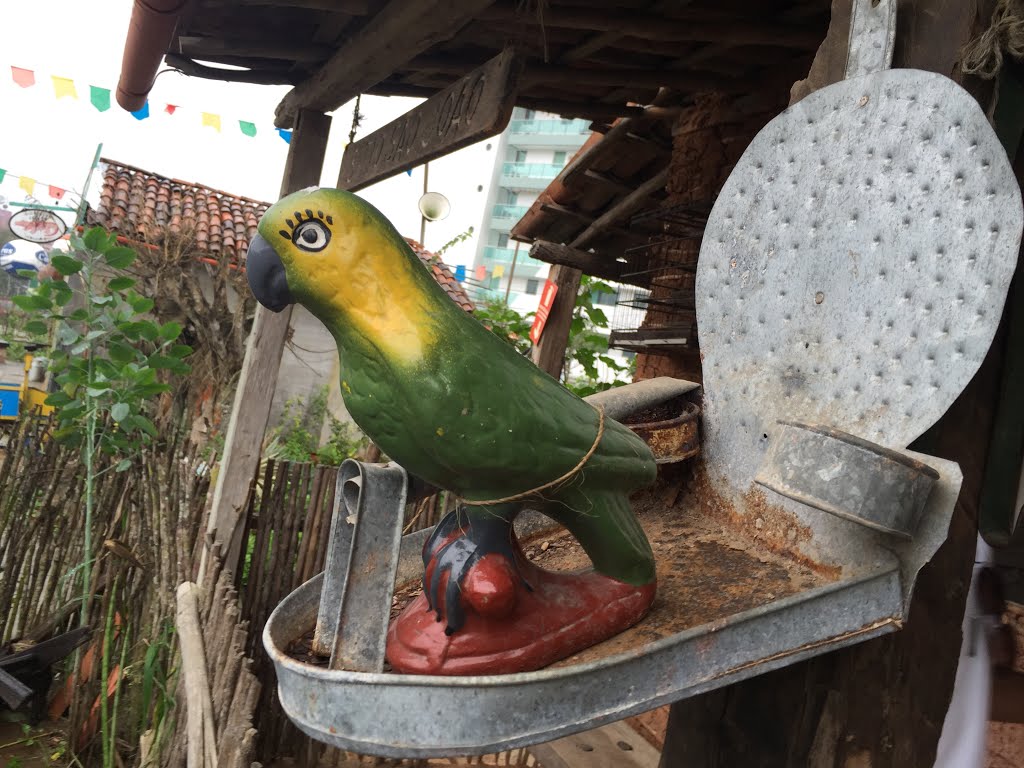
x=474 y=107
x=672 y=440
x=847 y=476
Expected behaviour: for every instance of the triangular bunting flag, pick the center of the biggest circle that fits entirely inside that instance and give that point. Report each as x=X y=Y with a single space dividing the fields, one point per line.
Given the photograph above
x=100 y=98
x=169 y=109
x=211 y=120
x=64 y=86
x=481 y=272
x=143 y=113
x=460 y=272
x=499 y=270
x=56 y=192
x=286 y=135
x=408 y=172
x=249 y=129
x=29 y=185
x=26 y=78
x=3 y=172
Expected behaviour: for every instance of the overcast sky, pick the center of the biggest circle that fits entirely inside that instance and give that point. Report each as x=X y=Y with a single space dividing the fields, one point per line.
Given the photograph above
x=53 y=141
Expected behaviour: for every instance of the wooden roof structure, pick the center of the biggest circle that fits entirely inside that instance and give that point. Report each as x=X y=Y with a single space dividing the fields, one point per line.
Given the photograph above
x=597 y=59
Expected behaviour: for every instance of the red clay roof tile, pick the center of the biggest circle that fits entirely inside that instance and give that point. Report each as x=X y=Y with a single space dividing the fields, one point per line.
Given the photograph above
x=145 y=207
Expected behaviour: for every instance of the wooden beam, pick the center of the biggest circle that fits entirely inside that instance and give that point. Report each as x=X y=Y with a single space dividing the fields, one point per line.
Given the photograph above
x=633 y=78
x=604 y=267
x=553 y=253
x=549 y=353
x=350 y=7
x=585 y=219
x=400 y=31
x=654 y=339
x=203 y=47
x=537 y=73
x=260 y=77
x=625 y=208
x=250 y=410
x=589 y=109
x=582 y=161
x=475 y=107
x=604 y=39
x=738 y=31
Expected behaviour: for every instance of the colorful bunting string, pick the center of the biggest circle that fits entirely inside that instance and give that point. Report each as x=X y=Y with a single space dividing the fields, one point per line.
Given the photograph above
x=100 y=98
x=28 y=185
x=211 y=120
x=64 y=87
x=26 y=78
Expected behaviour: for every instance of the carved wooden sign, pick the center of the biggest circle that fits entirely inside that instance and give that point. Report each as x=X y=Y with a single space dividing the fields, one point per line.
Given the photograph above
x=475 y=107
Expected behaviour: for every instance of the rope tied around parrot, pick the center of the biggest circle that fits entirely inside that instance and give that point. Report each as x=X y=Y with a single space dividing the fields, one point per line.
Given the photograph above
x=558 y=480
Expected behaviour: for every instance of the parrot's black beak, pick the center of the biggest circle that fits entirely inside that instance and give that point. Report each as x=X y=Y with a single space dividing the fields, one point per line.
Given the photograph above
x=267 y=279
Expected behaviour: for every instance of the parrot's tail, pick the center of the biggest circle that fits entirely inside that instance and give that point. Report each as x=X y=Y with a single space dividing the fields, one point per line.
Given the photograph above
x=606 y=527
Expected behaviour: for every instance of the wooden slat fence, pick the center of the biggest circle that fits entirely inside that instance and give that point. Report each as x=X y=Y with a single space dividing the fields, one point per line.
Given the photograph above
x=145 y=532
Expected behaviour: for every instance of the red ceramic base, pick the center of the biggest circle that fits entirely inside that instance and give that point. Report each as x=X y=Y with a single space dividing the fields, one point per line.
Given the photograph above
x=510 y=628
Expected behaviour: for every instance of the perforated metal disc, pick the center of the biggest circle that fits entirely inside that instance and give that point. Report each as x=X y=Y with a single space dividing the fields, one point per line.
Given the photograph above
x=855 y=265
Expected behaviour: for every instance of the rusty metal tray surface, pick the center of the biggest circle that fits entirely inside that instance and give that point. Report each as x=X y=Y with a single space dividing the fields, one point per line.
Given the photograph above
x=423 y=716
x=735 y=607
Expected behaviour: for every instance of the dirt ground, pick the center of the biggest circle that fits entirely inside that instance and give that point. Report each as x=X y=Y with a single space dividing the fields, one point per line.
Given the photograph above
x=24 y=747
x=1006 y=740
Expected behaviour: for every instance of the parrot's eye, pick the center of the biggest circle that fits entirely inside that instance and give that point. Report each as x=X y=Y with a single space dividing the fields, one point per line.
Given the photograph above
x=311 y=235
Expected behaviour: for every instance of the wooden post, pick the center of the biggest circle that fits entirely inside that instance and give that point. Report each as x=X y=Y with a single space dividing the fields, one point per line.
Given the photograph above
x=511 y=272
x=880 y=703
x=549 y=354
x=251 y=408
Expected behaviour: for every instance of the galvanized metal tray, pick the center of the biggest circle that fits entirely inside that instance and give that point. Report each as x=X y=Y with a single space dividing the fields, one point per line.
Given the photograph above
x=425 y=716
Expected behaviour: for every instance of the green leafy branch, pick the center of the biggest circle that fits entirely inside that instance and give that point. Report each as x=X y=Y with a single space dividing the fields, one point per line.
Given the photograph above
x=108 y=354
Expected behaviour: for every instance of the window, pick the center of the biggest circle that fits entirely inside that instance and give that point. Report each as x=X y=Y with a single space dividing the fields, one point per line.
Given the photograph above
x=503 y=240
x=532 y=286
x=602 y=297
x=520 y=155
x=559 y=158
x=529 y=114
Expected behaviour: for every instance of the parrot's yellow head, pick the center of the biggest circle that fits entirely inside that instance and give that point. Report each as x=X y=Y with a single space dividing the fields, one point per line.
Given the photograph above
x=339 y=257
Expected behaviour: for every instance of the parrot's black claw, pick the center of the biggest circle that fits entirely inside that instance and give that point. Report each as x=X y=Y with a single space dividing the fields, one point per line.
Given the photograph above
x=481 y=535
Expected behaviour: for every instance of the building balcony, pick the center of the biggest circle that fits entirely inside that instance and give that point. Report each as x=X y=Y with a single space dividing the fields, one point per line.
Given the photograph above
x=548 y=134
x=525 y=266
x=503 y=217
x=528 y=175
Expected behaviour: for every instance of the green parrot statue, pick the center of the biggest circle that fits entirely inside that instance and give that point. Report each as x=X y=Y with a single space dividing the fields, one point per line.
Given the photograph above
x=448 y=400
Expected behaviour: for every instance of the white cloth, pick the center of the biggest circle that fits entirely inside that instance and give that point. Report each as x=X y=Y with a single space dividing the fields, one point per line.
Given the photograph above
x=962 y=743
